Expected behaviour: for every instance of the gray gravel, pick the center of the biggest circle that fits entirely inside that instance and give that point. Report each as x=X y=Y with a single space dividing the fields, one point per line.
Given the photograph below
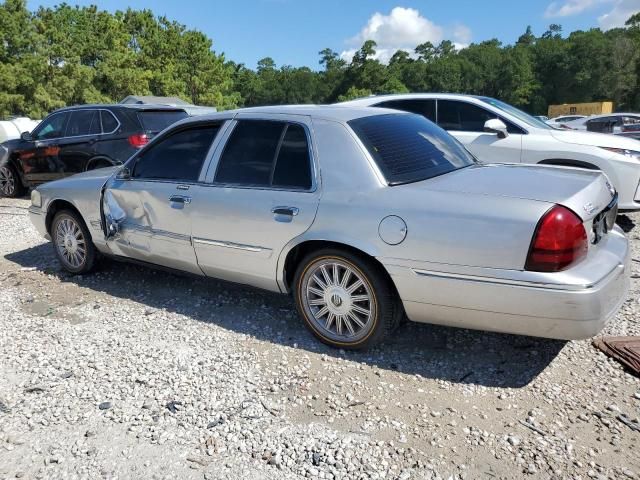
x=133 y=373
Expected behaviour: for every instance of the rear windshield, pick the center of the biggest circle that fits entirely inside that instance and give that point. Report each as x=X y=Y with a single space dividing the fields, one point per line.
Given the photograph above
x=155 y=121
x=409 y=148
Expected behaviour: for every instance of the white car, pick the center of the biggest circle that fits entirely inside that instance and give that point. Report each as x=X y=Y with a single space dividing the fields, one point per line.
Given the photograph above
x=496 y=132
x=623 y=124
x=561 y=120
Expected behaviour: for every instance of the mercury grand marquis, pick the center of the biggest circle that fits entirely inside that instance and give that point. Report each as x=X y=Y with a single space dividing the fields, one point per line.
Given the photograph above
x=365 y=215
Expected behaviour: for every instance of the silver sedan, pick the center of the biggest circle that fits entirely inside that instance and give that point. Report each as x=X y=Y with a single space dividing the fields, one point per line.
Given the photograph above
x=364 y=215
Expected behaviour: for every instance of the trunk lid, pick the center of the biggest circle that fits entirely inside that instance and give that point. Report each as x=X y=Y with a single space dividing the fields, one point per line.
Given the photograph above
x=586 y=192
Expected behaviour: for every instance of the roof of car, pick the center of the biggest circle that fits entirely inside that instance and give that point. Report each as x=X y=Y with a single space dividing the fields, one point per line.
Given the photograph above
x=365 y=101
x=119 y=105
x=328 y=112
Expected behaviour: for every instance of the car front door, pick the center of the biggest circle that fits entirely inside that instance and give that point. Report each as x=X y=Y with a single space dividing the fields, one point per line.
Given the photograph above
x=465 y=121
x=78 y=146
x=149 y=208
x=263 y=193
x=39 y=157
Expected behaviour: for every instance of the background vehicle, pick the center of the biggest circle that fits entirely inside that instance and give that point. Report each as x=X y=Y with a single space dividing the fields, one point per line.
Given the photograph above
x=559 y=121
x=76 y=139
x=357 y=212
x=497 y=132
x=623 y=124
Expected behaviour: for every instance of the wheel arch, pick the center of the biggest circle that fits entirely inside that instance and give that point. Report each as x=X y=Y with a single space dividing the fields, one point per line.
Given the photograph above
x=290 y=260
x=58 y=205
x=99 y=158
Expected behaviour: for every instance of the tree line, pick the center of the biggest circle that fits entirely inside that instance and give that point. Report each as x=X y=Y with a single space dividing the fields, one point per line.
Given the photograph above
x=68 y=55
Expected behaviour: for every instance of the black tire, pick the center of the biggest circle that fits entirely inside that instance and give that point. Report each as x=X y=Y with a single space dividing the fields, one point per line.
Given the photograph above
x=82 y=237
x=10 y=183
x=384 y=306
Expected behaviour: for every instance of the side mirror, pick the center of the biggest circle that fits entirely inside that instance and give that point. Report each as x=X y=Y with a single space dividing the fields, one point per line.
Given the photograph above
x=123 y=174
x=495 y=125
x=26 y=136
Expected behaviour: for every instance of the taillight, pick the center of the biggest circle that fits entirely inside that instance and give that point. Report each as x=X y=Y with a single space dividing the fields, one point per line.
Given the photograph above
x=138 y=140
x=559 y=241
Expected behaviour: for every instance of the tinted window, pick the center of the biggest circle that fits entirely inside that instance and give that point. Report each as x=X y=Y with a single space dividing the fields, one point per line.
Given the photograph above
x=631 y=120
x=83 y=122
x=155 y=121
x=462 y=116
x=408 y=148
x=109 y=122
x=293 y=166
x=602 y=124
x=514 y=112
x=426 y=108
x=250 y=152
x=178 y=157
x=52 y=127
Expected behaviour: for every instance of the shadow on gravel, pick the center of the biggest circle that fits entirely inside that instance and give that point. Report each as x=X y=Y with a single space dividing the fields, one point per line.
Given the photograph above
x=456 y=355
x=625 y=223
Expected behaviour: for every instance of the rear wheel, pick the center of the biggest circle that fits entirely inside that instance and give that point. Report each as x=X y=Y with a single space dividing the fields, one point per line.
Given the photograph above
x=345 y=300
x=72 y=242
x=10 y=184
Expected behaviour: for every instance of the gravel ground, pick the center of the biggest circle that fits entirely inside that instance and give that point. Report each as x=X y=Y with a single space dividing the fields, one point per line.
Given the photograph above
x=134 y=373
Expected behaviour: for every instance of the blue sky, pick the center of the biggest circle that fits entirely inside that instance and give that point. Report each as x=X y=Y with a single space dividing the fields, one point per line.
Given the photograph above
x=292 y=32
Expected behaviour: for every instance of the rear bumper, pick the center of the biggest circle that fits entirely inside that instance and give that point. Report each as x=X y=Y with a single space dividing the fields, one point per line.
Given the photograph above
x=571 y=311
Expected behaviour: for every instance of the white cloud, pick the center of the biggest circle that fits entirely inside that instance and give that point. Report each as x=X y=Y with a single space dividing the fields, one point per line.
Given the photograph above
x=620 y=13
x=569 y=7
x=403 y=29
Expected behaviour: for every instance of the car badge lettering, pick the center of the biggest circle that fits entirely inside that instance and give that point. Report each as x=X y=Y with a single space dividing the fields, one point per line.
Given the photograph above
x=589 y=208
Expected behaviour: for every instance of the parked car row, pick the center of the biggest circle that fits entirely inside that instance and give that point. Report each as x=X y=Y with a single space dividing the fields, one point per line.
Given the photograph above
x=367 y=215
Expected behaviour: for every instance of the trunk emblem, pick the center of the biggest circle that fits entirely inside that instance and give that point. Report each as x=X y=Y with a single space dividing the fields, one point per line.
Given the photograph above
x=589 y=208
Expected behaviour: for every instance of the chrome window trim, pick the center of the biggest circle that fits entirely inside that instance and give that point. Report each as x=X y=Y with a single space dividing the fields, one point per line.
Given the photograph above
x=284 y=119
x=40 y=126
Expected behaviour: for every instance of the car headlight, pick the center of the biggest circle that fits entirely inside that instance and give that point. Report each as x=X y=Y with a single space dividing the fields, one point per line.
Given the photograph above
x=36 y=198
x=623 y=151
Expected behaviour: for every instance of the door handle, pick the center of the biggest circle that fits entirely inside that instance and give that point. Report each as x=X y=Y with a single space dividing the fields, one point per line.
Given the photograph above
x=180 y=199
x=291 y=211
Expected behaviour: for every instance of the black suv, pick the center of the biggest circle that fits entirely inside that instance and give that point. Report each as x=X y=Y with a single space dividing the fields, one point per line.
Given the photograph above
x=77 y=139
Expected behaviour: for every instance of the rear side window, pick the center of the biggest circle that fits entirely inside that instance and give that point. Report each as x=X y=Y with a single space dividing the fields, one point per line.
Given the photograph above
x=408 y=148
x=83 y=122
x=154 y=121
x=178 y=157
x=426 y=107
x=109 y=122
x=266 y=154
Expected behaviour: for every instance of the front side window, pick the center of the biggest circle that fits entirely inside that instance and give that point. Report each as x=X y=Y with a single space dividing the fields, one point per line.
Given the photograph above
x=52 y=127
x=265 y=153
x=514 y=112
x=408 y=148
x=178 y=157
x=425 y=107
x=83 y=122
x=462 y=116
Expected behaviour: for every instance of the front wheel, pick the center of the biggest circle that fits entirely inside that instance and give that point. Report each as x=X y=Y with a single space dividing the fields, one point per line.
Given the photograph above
x=72 y=242
x=345 y=300
x=10 y=184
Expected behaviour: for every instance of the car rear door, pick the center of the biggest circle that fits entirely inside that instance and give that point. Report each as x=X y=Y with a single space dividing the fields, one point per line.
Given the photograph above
x=262 y=192
x=78 y=145
x=152 y=209
x=465 y=121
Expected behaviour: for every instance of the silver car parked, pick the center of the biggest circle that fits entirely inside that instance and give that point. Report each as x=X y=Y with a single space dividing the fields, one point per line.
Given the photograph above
x=365 y=215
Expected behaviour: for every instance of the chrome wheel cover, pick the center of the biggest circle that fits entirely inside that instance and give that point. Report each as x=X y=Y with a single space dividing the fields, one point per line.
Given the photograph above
x=7 y=182
x=339 y=300
x=70 y=243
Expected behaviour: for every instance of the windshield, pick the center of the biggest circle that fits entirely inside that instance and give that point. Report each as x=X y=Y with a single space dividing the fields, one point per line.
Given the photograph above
x=409 y=148
x=515 y=112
